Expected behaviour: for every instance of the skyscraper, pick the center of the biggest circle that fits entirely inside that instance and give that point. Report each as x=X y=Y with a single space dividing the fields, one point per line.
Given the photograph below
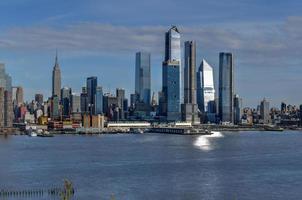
x=5 y=79
x=66 y=101
x=172 y=45
x=283 y=107
x=56 y=79
x=110 y=106
x=143 y=77
x=120 y=95
x=84 y=100
x=189 y=108
x=264 y=111
x=17 y=99
x=226 y=88
x=39 y=98
x=92 y=83
x=171 y=76
x=190 y=72
x=8 y=109
x=2 y=107
x=133 y=100
x=153 y=101
x=205 y=86
x=125 y=105
x=6 y=102
x=19 y=96
x=55 y=108
x=99 y=100
x=237 y=109
x=300 y=114
x=75 y=103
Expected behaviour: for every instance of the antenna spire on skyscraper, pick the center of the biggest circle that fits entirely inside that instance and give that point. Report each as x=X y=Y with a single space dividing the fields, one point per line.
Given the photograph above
x=56 y=63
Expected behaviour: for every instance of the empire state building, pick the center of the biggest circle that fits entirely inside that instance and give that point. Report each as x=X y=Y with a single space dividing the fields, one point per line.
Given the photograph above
x=56 y=79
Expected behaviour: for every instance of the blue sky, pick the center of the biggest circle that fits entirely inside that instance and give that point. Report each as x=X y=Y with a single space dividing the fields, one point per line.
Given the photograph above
x=96 y=37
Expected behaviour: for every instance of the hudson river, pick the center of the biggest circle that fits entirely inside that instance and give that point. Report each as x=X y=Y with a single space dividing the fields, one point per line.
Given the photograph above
x=241 y=165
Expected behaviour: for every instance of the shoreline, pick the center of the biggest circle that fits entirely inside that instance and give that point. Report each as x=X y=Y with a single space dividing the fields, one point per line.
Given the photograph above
x=120 y=131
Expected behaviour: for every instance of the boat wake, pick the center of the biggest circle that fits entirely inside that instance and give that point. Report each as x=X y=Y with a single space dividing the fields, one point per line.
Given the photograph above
x=215 y=134
x=204 y=142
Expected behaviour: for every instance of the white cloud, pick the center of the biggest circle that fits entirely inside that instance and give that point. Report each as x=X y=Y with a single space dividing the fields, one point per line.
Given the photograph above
x=263 y=41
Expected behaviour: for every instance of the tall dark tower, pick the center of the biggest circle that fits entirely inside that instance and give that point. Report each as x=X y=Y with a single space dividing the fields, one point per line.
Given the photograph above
x=56 y=79
x=226 y=87
x=190 y=72
x=189 y=108
x=91 y=86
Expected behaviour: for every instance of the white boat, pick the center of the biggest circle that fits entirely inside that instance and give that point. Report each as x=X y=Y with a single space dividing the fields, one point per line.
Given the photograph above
x=33 y=134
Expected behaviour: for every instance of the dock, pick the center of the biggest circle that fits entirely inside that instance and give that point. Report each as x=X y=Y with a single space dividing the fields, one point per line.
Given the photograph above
x=180 y=131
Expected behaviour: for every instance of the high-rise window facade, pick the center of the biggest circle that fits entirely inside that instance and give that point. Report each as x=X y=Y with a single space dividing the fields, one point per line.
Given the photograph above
x=189 y=109
x=205 y=86
x=190 y=72
x=226 y=87
x=99 y=100
x=171 y=76
x=91 y=86
x=143 y=77
x=66 y=101
x=75 y=103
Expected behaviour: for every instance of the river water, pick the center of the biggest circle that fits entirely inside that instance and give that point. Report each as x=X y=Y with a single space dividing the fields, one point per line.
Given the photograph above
x=225 y=165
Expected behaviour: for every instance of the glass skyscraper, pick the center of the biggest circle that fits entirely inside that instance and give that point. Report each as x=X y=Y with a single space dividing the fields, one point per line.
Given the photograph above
x=171 y=75
x=172 y=45
x=171 y=90
x=66 y=101
x=92 y=83
x=99 y=101
x=205 y=86
x=84 y=100
x=226 y=88
x=55 y=103
x=143 y=77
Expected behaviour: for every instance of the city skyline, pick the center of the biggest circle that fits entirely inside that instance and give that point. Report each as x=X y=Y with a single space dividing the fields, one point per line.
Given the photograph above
x=263 y=42
x=160 y=99
x=64 y=104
